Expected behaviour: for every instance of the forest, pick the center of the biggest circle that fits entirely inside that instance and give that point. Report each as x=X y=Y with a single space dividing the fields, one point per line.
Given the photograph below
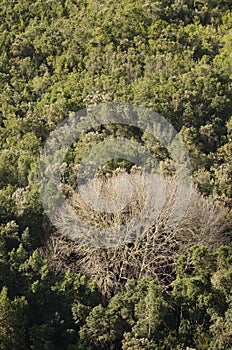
x=162 y=290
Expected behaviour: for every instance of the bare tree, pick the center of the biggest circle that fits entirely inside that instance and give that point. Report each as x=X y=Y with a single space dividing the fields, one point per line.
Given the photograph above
x=152 y=253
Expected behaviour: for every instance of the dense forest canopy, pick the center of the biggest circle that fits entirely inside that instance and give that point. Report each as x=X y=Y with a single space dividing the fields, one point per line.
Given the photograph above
x=58 y=57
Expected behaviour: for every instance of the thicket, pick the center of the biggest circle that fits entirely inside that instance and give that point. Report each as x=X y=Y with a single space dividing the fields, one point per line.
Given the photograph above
x=57 y=57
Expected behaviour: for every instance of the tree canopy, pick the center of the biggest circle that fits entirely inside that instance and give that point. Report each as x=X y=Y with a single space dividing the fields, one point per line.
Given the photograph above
x=58 y=57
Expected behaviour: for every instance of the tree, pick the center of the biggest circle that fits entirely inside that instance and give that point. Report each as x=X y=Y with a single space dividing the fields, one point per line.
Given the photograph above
x=13 y=332
x=152 y=254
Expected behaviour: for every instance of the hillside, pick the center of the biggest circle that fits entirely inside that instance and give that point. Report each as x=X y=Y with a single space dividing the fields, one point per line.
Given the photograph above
x=159 y=288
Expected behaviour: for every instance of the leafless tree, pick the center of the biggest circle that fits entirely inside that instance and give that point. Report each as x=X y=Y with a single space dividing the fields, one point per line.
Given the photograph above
x=154 y=252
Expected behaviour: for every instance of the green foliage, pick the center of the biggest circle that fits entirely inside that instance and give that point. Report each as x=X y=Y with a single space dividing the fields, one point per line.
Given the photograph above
x=12 y=332
x=52 y=309
x=66 y=311
x=57 y=57
x=173 y=57
x=195 y=313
